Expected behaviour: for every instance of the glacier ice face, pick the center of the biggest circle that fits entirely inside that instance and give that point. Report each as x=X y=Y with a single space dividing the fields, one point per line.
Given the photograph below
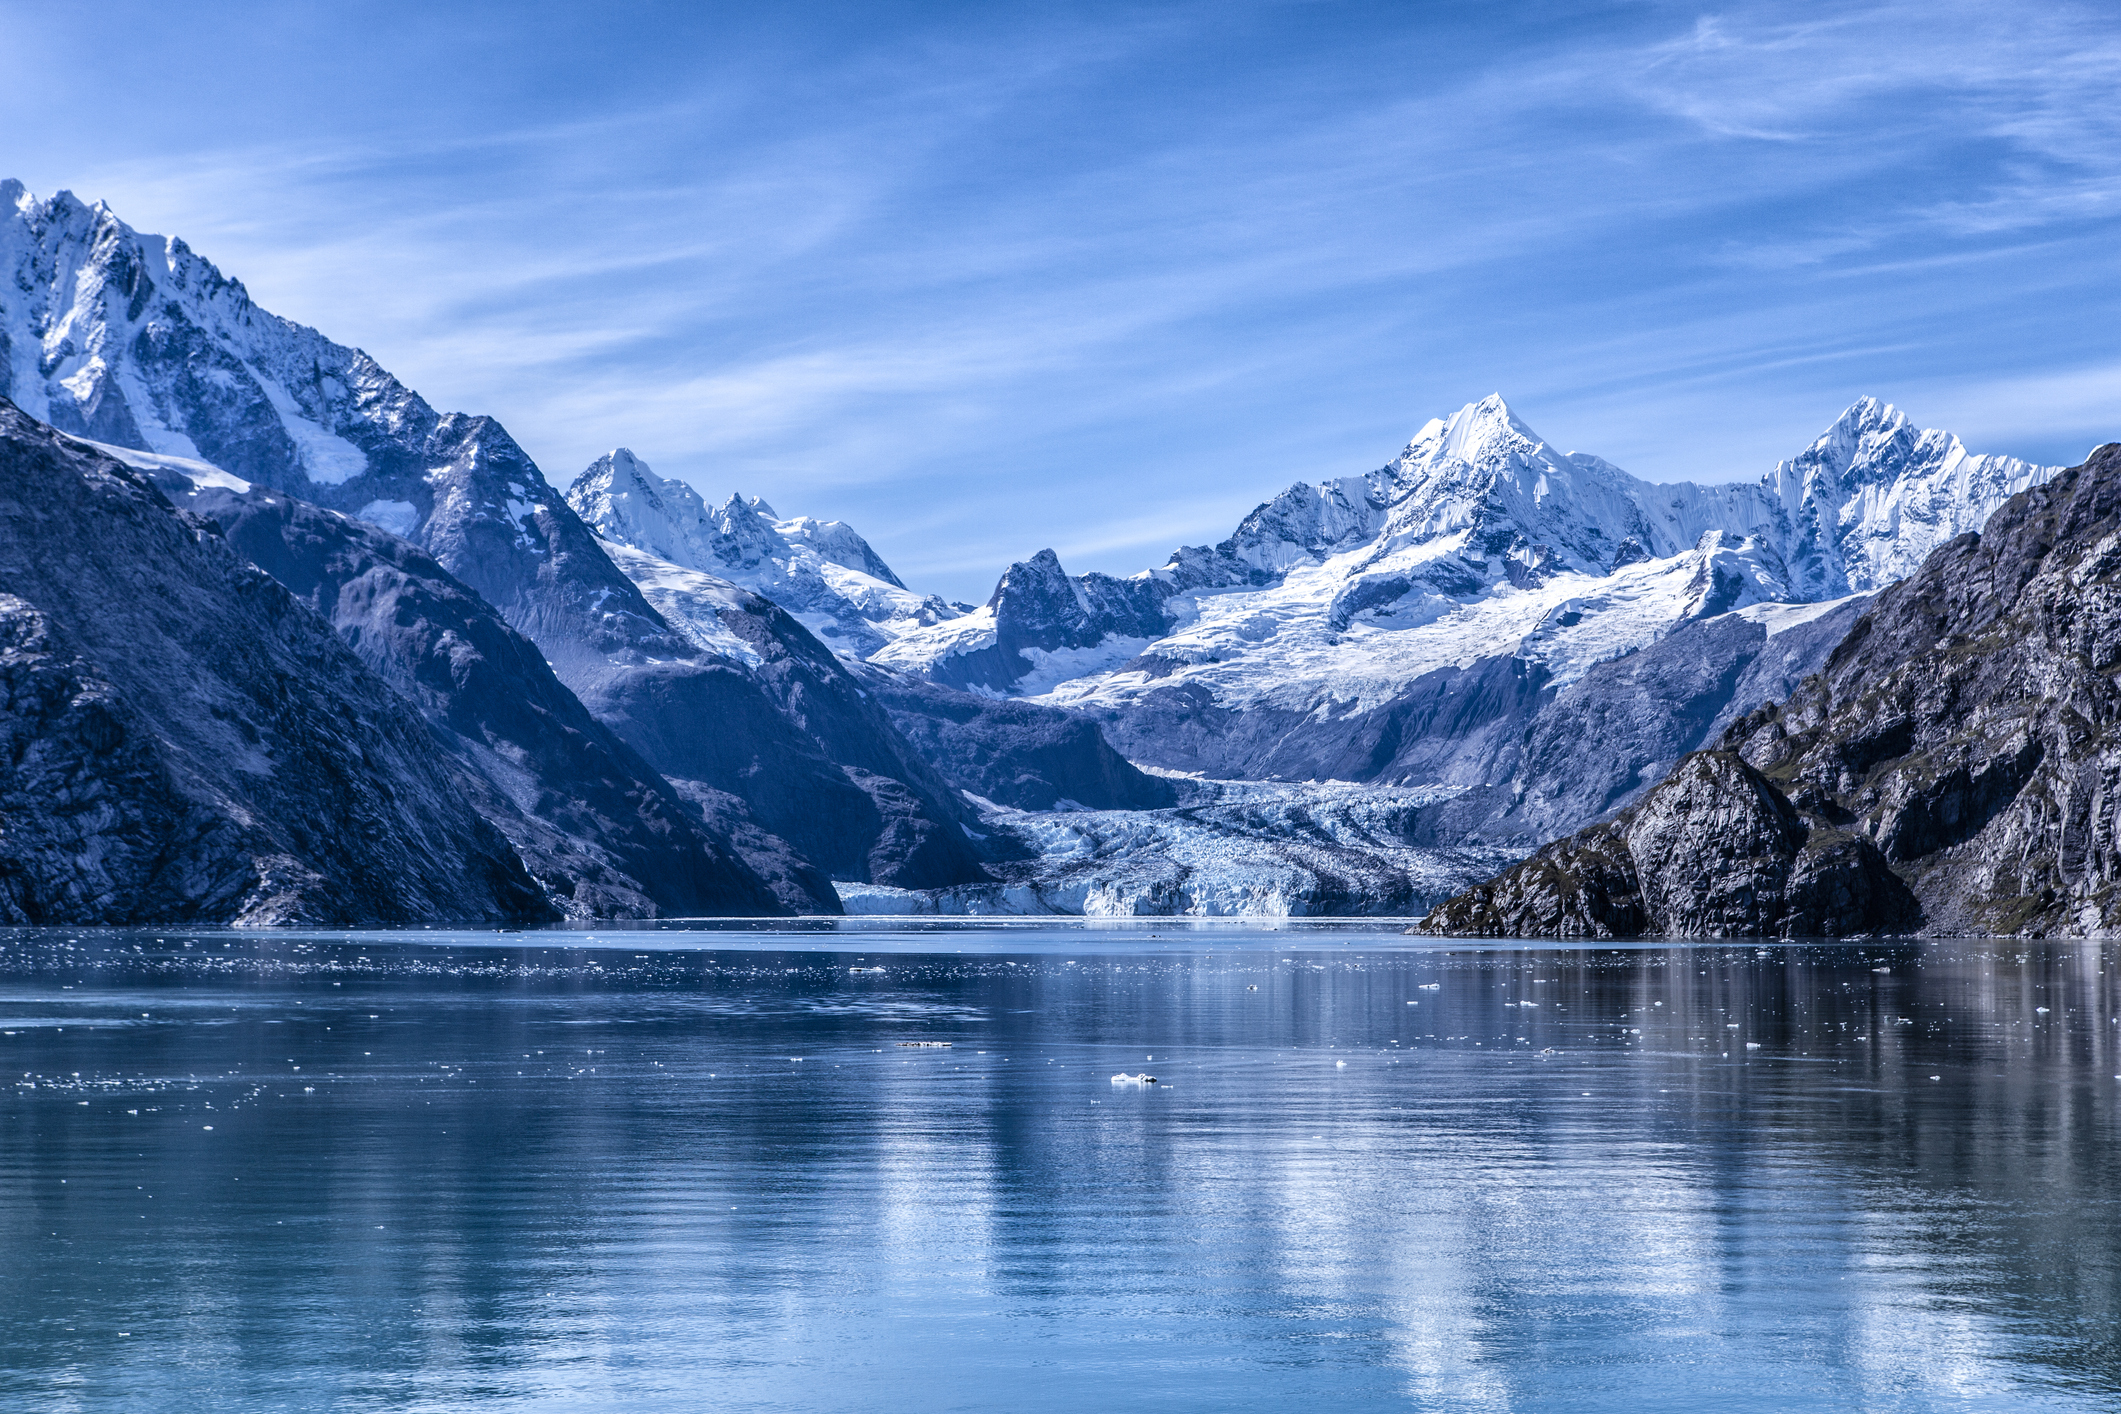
x=820 y=571
x=1234 y=849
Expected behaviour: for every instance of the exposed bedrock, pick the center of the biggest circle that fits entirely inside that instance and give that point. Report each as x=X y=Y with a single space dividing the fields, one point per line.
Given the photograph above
x=1615 y=732
x=1454 y=726
x=1018 y=754
x=753 y=706
x=1714 y=851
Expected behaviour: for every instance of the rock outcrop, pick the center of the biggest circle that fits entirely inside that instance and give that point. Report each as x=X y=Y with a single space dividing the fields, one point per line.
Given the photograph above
x=1715 y=851
x=184 y=741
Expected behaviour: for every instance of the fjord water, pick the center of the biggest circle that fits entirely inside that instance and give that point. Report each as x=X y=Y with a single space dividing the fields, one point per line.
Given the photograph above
x=688 y=1170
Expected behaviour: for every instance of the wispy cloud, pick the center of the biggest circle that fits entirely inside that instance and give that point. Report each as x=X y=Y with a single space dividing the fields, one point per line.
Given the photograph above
x=1104 y=278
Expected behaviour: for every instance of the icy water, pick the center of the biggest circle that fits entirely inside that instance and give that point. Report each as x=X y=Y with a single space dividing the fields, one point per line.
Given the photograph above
x=686 y=1171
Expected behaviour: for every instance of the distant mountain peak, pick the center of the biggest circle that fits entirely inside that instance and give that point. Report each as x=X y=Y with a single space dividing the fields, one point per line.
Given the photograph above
x=821 y=571
x=1480 y=430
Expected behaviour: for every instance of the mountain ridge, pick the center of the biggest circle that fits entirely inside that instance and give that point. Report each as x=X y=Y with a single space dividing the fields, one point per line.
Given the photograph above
x=132 y=339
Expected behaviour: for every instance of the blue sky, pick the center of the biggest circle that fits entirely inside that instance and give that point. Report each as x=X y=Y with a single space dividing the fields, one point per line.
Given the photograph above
x=983 y=279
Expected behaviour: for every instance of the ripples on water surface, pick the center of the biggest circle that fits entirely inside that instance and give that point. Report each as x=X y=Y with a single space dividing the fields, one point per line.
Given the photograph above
x=680 y=1170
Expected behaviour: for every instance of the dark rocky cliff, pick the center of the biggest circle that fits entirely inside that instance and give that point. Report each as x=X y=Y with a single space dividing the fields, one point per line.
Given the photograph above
x=1954 y=766
x=1647 y=710
x=185 y=741
x=1714 y=851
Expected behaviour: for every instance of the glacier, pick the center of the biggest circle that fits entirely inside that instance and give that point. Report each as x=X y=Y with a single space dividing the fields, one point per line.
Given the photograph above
x=1453 y=625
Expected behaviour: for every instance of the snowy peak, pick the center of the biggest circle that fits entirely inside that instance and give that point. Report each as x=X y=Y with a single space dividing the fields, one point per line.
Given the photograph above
x=833 y=540
x=1480 y=535
x=1482 y=434
x=1874 y=494
x=1859 y=508
x=820 y=571
x=666 y=518
x=135 y=340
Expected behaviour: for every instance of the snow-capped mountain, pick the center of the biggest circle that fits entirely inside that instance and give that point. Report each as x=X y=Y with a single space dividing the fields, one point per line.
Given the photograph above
x=820 y=571
x=1477 y=541
x=133 y=340
x=1407 y=624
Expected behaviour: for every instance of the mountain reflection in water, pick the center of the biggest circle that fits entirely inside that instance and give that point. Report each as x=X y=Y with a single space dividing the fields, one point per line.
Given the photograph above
x=684 y=1170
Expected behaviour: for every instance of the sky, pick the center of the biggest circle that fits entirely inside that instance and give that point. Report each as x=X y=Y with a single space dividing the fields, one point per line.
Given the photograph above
x=985 y=279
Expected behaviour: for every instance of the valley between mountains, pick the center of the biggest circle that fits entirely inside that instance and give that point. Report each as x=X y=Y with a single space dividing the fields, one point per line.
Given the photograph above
x=284 y=644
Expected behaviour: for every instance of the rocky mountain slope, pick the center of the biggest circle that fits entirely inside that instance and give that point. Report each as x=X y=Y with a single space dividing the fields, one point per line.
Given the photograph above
x=134 y=340
x=1015 y=754
x=1952 y=766
x=1012 y=753
x=186 y=742
x=1648 y=709
x=598 y=828
x=816 y=757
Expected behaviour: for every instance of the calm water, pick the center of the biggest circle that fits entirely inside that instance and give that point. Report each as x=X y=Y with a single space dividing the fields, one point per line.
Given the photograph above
x=700 y=1171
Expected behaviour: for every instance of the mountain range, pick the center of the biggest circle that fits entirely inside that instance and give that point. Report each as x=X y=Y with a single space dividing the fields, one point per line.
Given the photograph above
x=1372 y=694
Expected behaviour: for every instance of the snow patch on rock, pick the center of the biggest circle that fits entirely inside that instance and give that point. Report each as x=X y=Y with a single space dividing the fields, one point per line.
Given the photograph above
x=400 y=518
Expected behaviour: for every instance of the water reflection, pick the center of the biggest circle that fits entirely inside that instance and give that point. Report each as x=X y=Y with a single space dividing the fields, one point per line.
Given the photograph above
x=242 y=1172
